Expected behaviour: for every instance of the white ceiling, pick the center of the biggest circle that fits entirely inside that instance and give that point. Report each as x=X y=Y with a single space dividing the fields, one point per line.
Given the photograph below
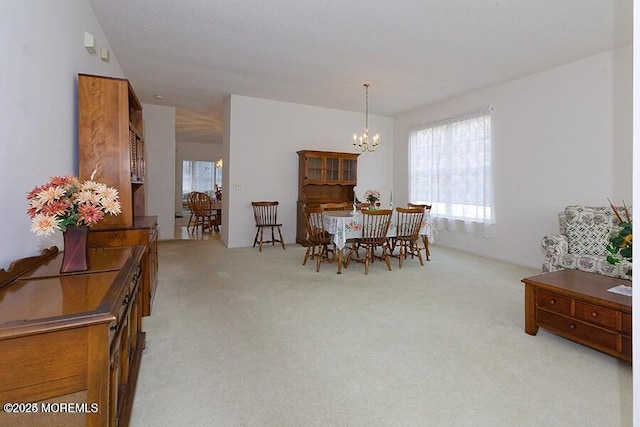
x=413 y=52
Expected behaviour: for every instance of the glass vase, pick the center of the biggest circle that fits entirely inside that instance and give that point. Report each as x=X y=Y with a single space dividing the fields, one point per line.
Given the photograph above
x=75 y=257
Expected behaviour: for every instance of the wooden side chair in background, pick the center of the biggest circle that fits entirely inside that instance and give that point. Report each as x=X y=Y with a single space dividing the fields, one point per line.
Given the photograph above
x=375 y=225
x=425 y=240
x=408 y=223
x=318 y=240
x=192 y=209
x=266 y=216
x=201 y=209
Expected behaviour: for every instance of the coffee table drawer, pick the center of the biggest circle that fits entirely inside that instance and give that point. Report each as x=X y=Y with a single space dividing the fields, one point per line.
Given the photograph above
x=584 y=332
x=554 y=302
x=598 y=315
x=626 y=323
x=626 y=346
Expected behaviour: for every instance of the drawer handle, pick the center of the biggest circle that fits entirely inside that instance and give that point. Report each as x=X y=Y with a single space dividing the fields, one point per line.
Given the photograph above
x=552 y=301
x=594 y=314
x=572 y=326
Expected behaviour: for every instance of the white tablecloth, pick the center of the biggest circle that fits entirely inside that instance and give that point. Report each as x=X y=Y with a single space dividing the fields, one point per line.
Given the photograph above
x=343 y=225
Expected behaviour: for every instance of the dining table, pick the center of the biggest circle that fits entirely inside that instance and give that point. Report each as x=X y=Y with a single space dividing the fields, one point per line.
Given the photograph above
x=216 y=214
x=345 y=225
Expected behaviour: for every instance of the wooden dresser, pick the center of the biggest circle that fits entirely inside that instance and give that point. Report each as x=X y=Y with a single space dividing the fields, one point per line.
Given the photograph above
x=71 y=344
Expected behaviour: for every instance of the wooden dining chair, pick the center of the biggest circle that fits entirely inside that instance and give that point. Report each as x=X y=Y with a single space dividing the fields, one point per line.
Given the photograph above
x=375 y=225
x=408 y=223
x=318 y=240
x=266 y=216
x=342 y=206
x=192 y=209
x=425 y=239
x=201 y=211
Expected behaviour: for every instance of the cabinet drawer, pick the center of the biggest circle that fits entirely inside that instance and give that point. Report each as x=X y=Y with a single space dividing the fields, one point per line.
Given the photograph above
x=124 y=303
x=554 y=302
x=626 y=324
x=598 y=315
x=583 y=332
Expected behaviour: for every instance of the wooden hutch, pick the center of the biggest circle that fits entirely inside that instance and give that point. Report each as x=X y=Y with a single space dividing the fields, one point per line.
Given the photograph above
x=324 y=177
x=111 y=143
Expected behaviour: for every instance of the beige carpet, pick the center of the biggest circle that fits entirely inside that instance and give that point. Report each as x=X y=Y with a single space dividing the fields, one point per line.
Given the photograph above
x=241 y=338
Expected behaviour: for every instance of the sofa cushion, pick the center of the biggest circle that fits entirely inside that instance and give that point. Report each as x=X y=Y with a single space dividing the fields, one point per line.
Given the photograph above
x=588 y=229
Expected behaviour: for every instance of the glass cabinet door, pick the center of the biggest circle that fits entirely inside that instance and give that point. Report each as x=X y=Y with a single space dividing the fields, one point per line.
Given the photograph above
x=314 y=168
x=333 y=167
x=349 y=171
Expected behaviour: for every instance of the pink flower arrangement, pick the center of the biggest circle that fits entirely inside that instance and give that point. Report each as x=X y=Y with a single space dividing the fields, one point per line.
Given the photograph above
x=372 y=196
x=64 y=202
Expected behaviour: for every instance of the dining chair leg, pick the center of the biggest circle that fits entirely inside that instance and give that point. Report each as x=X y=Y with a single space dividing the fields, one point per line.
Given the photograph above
x=416 y=249
x=318 y=261
x=255 y=239
x=281 y=239
x=386 y=258
x=392 y=242
x=347 y=260
x=261 y=239
x=367 y=257
x=306 y=255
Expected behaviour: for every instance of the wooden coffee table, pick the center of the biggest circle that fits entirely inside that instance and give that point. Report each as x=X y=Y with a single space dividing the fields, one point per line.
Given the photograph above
x=577 y=306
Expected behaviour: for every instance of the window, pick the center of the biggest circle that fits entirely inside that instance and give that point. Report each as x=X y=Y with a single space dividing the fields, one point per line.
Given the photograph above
x=197 y=176
x=450 y=169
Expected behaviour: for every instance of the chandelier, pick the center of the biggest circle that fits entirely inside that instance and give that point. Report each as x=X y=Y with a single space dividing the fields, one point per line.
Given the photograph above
x=363 y=143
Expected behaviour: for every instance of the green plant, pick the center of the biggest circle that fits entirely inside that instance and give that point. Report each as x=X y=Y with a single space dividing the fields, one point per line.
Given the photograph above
x=620 y=245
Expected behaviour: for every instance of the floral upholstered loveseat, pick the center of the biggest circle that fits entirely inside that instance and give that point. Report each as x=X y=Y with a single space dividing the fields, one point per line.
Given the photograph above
x=582 y=241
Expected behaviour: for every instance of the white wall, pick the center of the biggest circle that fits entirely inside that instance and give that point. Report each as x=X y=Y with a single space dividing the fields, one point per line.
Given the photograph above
x=561 y=137
x=264 y=137
x=41 y=51
x=193 y=151
x=160 y=147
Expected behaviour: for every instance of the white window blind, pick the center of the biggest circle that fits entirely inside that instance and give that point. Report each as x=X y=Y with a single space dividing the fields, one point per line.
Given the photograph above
x=450 y=168
x=197 y=176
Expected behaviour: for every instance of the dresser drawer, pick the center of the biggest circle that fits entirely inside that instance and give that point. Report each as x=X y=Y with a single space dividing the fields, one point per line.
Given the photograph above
x=583 y=332
x=554 y=302
x=597 y=315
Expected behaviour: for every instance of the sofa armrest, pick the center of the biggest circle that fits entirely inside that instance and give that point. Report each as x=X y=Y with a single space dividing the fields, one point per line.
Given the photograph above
x=555 y=244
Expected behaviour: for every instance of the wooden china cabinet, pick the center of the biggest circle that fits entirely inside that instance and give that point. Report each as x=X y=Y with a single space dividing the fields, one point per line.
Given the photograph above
x=324 y=177
x=111 y=142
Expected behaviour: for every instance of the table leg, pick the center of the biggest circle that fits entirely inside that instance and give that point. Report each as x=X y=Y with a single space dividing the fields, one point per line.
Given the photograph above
x=530 y=326
x=340 y=251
